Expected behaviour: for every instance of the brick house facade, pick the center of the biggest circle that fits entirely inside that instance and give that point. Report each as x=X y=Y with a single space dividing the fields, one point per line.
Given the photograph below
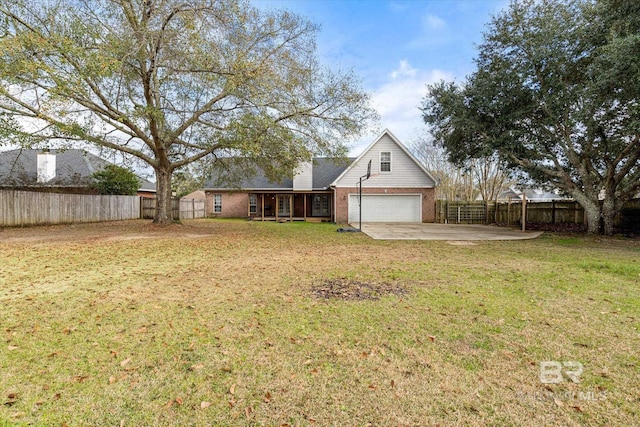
x=399 y=189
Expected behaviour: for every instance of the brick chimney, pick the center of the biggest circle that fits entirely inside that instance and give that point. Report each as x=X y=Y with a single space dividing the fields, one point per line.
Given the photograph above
x=46 y=166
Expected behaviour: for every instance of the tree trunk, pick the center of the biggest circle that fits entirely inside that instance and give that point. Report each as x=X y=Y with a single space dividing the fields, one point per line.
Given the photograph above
x=591 y=208
x=608 y=213
x=592 y=212
x=164 y=215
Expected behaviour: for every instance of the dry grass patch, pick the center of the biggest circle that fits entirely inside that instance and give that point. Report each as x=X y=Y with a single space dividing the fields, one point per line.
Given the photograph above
x=216 y=323
x=345 y=289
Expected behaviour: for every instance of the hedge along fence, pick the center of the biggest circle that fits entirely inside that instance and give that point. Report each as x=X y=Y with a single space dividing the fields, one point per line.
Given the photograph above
x=19 y=208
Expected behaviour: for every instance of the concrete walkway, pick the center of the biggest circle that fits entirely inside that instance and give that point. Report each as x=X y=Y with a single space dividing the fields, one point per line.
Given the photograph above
x=452 y=232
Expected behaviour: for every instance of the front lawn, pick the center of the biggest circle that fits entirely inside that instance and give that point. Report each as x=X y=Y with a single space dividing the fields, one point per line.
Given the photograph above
x=241 y=323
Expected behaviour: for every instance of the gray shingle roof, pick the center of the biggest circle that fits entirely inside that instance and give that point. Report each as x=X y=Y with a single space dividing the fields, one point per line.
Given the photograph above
x=18 y=168
x=325 y=171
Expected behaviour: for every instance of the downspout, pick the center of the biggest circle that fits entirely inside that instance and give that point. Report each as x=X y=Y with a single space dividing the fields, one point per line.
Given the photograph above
x=335 y=204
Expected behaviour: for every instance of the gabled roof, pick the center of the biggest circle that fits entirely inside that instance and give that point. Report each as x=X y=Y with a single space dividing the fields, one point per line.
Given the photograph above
x=74 y=167
x=388 y=133
x=325 y=170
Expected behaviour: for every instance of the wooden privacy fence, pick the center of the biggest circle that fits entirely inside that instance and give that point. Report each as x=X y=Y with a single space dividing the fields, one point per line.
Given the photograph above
x=18 y=208
x=553 y=212
x=181 y=209
x=510 y=213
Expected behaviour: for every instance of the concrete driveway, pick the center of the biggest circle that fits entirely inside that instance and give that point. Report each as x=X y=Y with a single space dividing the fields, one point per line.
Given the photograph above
x=452 y=232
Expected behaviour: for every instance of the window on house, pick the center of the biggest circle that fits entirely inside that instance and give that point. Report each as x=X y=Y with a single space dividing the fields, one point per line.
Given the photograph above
x=385 y=161
x=283 y=205
x=253 y=203
x=320 y=205
x=217 y=203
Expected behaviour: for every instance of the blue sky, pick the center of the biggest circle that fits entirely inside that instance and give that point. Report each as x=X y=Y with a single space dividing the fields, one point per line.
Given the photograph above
x=397 y=48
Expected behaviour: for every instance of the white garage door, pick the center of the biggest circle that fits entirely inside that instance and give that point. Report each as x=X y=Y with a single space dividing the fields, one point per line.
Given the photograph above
x=386 y=208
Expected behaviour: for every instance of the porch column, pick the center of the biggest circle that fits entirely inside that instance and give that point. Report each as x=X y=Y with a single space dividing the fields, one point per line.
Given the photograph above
x=262 y=197
x=277 y=205
x=290 y=207
x=305 y=205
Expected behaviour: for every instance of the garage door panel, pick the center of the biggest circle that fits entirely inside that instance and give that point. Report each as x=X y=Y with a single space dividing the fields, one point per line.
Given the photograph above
x=386 y=208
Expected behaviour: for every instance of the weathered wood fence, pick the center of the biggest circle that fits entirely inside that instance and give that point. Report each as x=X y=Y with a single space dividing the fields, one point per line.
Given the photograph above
x=553 y=212
x=510 y=213
x=192 y=209
x=181 y=209
x=19 y=208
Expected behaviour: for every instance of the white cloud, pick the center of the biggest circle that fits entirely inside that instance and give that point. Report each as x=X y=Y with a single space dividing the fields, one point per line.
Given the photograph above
x=433 y=22
x=397 y=101
x=405 y=70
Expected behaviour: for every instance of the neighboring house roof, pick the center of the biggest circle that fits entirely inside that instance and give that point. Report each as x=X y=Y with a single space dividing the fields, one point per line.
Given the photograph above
x=73 y=169
x=147 y=185
x=533 y=195
x=325 y=170
x=411 y=172
x=195 y=195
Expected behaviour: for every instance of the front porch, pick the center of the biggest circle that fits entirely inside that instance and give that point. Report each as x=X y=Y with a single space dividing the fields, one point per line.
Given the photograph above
x=314 y=206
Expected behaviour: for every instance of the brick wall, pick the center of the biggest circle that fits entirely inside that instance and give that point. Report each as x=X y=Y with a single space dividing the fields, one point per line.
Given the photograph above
x=234 y=205
x=428 y=200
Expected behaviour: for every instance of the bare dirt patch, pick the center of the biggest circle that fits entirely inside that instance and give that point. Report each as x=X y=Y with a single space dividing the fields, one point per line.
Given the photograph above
x=345 y=289
x=105 y=231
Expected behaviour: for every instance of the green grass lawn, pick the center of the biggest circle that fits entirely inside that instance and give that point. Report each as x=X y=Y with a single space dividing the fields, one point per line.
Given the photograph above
x=240 y=323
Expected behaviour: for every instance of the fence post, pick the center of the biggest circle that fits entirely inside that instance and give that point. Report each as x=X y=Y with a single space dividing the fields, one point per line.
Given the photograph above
x=524 y=212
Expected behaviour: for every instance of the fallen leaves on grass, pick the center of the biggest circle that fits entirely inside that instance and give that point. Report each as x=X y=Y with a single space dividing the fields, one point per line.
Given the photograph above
x=12 y=398
x=346 y=289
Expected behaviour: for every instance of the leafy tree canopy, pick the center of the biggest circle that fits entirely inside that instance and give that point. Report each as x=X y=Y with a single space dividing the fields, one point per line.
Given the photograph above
x=172 y=82
x=117 y=180
x=556 y=93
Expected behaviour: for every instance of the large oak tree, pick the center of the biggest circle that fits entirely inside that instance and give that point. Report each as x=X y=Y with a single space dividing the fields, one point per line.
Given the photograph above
x=556 y=93
x=171 y=82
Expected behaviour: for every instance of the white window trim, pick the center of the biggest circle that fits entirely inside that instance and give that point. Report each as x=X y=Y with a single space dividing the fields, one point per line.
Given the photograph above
x=390 y=162
x=215 y=196
x=286 y=205
x=253 y=196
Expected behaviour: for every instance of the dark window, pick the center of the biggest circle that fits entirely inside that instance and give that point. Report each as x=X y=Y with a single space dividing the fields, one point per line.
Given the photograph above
x=385 y=161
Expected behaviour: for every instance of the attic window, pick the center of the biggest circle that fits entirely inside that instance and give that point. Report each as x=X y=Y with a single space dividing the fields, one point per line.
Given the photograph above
x=385 y=161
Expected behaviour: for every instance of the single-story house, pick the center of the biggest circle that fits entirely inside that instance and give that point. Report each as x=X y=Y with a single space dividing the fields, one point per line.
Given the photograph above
x=399 y=189
x=60 y=171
